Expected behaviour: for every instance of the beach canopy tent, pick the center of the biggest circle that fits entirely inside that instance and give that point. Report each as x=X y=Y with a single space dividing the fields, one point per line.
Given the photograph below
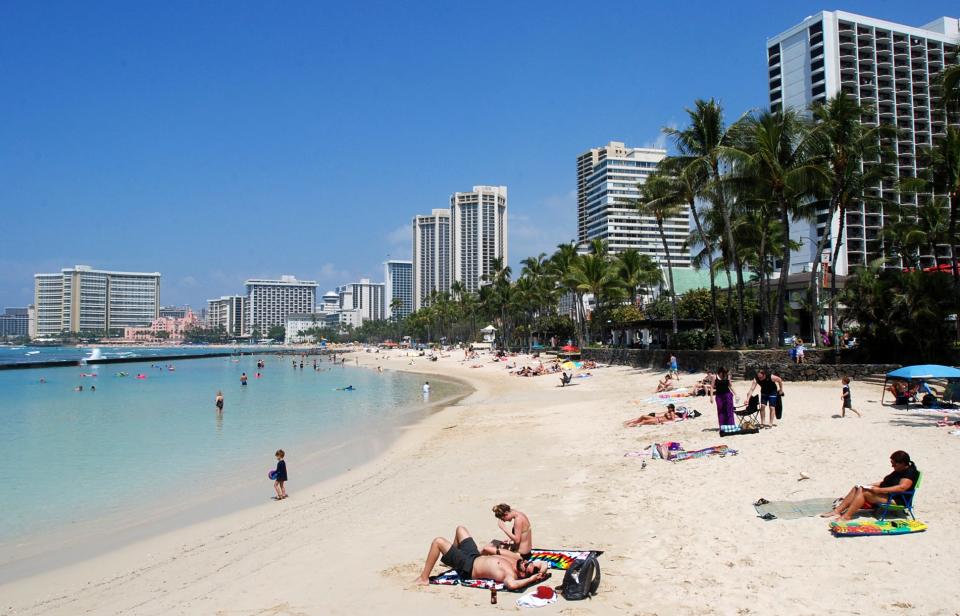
x=920 y=373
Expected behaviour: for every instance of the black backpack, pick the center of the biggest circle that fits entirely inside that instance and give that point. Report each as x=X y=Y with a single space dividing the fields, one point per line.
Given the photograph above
x=581 y=580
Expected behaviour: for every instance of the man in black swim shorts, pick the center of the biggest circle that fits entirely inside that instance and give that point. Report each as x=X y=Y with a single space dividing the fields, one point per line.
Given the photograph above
x=463 y=556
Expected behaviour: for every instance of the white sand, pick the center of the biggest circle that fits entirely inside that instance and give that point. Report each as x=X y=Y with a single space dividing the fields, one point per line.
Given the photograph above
x=679 y=538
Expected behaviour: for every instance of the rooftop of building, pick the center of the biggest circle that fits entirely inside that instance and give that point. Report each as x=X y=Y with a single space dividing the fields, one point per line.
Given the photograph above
x=946 y=29
x=88 y=269
x=284 y=280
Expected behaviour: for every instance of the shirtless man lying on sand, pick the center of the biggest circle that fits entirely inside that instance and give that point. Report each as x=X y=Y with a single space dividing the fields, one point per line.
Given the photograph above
x=462 y=554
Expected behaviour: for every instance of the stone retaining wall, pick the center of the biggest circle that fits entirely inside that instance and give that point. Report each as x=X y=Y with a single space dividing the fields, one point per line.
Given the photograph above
x=820 y=365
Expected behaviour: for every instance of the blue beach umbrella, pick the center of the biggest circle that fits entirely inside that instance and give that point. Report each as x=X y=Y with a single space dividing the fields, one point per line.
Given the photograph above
x=919 y=373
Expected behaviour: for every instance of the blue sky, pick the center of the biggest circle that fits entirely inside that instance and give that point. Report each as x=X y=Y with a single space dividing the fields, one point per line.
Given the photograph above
x=219 y=141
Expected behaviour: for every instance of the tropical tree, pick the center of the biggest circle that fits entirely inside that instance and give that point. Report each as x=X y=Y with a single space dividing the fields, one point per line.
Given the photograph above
x=776 y=154
x=705 y=140
x=595 y=274
x=562 y=264
x=636 y=270
x=942 y=177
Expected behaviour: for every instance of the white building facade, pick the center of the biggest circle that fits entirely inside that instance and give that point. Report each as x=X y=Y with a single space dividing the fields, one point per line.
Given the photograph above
x=478 y=234
x=365 y=296
x=229 y=313
x=610 y=174
x=270 y=301
x=398 y=285
x=431 y=255
x=82 y=299
x=891 y=69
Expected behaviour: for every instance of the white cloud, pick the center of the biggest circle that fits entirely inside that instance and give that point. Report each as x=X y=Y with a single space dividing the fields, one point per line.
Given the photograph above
x=661 y=141
x=189 y=282
x=400 y=242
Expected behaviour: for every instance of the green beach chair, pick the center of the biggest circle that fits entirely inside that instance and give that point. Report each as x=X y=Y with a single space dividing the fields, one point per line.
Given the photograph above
x=883 y=509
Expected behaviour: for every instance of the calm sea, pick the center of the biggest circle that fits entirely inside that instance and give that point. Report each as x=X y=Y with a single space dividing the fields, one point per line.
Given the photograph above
x=87 y=463
x=35 y=354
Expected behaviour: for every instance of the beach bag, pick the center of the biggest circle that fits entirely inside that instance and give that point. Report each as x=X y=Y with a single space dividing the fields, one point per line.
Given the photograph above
x=581 y=580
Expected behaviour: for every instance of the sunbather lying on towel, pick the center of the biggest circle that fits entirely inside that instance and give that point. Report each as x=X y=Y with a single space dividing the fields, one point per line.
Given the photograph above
x=652 y=418
x=462 y=554
x=903 y=477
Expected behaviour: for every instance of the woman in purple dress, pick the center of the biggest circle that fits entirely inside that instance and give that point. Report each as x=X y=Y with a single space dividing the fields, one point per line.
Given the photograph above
x=723 y=392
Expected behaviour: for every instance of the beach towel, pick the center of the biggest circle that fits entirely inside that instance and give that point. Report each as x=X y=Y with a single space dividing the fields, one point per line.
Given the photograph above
x=794 y=510
x=557 y=559
x=716 y=450
x=872 y=527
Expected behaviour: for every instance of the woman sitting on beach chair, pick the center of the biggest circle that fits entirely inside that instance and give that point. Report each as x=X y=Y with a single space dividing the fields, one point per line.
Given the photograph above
x=652 y=419
x=902 y=479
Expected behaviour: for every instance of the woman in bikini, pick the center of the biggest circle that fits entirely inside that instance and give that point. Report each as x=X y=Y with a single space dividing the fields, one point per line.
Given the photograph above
x=652 y=419
x=520 y=537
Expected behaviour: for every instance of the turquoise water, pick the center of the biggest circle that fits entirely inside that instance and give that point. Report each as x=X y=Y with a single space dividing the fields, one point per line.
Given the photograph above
x=35 y=354
x=72 y=459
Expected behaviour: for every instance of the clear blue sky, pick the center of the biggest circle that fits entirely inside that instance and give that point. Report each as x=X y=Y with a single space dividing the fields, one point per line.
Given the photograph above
x=216 y=141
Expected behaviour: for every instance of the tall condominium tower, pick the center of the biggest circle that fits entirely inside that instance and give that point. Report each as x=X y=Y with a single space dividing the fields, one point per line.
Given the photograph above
x=228 y=312
x=82 y=299
x=889 y=68
x=478 y=233
x=270 y=301
x=398 y=285
x=605 y=177
x=365 y=296
x=431 y=255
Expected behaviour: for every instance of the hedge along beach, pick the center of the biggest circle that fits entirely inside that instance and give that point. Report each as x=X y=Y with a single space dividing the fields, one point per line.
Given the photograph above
x=678 y=538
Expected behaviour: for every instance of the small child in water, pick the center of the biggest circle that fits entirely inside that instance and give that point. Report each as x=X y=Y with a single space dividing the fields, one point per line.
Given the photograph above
x=847 y=400
x=281 y=476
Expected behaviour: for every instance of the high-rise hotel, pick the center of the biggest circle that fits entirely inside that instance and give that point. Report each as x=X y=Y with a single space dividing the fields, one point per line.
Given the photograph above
x=431 y=255
x=605 y=177
x=228 y=312
x=82 y=299
x=398 y=285
x=889 y=68
x=478 y=234
x=270 y=301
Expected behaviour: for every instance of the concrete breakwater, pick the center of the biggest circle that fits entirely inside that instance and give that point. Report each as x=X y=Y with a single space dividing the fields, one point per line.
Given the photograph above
x=66 y=363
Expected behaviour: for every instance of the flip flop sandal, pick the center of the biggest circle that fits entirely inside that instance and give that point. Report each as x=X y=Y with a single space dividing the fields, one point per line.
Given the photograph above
x=768 y=516
x=762 y=501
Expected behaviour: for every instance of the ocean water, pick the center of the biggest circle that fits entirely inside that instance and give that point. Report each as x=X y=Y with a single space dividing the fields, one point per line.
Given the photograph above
x=35 y=354
x=86 y=463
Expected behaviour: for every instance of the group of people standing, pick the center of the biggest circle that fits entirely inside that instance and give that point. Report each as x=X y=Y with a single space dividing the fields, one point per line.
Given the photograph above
x=720 y=389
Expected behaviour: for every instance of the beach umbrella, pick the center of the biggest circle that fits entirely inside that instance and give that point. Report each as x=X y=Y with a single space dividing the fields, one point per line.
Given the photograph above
x=568 y=365
x=569 y=348
x=920 y=372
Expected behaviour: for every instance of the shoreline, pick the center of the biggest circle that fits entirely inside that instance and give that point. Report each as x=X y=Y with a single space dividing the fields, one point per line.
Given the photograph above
x=73 y=543
x=678 y=537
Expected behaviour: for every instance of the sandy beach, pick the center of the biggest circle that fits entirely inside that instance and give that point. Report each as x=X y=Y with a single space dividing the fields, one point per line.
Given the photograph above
x=678 y=537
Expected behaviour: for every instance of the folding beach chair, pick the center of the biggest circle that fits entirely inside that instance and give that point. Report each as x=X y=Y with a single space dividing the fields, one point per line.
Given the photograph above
x=750 y=413
x=883 y=509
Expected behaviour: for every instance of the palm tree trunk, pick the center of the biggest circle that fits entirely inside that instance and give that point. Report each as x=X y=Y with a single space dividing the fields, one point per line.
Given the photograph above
x=713 y=287
x=733 y=257
x=730 y=321
x=784 y=274
x=815 y=281
x=952 y=236
x=833 y=271
x=673 y=296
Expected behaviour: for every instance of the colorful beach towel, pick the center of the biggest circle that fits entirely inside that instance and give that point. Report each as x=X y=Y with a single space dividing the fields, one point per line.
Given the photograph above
x=859 y=528
x=557 y=559
x=716 y=450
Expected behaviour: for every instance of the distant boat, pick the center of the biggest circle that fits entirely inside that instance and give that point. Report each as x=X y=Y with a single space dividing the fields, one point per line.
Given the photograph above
x=32 y=353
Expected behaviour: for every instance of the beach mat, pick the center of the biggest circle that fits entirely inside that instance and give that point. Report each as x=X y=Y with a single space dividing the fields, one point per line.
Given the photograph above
x=865 y=528
x=557 y=559
x=794 y=510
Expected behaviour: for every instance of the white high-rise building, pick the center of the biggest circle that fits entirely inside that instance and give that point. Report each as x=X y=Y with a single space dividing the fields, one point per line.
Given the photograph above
x=398 y=285
x=609 y=174
x=82 y=299
x=478 y=233
x=365 y=296
x=431 y=255
x=888 y=67
x=270 y=301
x=228 y=312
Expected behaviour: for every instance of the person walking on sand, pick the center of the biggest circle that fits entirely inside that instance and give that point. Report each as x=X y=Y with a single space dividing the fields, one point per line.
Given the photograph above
x=722 y=391
x=846 y=399
x=674 y=367
x=771 y=388
x=281 y=478
x=219 y=402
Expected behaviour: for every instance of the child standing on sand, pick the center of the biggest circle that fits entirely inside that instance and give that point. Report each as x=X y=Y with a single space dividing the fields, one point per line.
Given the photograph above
x=281 y=477
x=847 y=400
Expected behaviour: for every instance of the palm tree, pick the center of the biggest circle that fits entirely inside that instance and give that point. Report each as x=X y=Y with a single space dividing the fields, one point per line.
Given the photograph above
x=950 y=86
x=857 y=164
x=635 y=270
x=943 y=178
x=595 y=274
x=704 y=139
x=660 y=199
x=776 y=154
x=562 y=263
x=690 y=178
x=933 y=223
